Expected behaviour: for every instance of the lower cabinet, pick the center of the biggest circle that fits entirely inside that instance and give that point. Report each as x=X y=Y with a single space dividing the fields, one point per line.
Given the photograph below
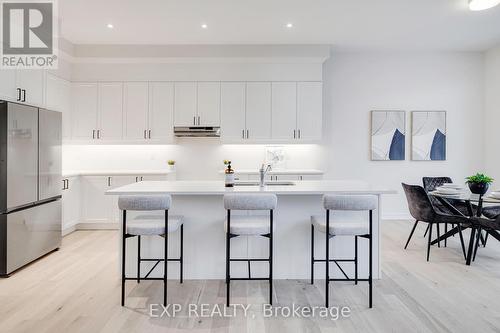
x=289 y=177
x=71 y=203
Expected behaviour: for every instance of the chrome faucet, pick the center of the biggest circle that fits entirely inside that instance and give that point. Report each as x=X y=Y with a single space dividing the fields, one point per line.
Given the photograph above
x=262 y=172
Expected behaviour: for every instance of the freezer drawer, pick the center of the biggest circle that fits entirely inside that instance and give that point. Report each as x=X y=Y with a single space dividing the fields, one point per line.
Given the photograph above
x=28 y=234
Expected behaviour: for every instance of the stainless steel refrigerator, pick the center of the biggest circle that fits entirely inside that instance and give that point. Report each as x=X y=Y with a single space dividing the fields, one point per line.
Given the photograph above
x=30 y=184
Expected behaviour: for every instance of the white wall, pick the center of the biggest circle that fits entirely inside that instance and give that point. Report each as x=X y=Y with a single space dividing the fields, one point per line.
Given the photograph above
x=356 y=83
x=492 y=113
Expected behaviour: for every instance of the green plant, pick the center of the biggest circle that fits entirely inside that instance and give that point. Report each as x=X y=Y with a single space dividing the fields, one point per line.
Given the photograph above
x=171 y=162
x=479 y=178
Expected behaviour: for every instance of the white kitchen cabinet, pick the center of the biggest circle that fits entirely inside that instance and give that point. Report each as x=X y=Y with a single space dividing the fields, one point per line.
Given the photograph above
x=233 y=105
x=161 y=112
x=8 y=85
x=84 y=112
x=32 y=83
x=71 y=200
x=135 y=110
x=258 y=111
x=185 y=104
x=208 y=104
x=95 y=205
x=284 y=110
x=58 y=98
x=110 y=111
x=309 y=111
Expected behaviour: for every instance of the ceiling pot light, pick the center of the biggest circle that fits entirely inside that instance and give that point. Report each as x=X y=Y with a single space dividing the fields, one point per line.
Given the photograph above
x=110 y=26
x=204 y=26
x=482 y=4
x=290 y=25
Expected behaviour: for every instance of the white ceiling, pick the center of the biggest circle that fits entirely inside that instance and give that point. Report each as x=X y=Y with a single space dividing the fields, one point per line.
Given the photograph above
x=347 y=24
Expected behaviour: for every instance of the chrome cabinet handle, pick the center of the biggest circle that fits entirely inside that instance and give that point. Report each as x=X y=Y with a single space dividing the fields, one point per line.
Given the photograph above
x=194 y=120
x=64 y=184
x=299 y=134
x=199 y=121
x=149 y=134
x=93 y=134
x=242 y=133
x=98 y=134
x=247 y=134
x=136 y=179
x=294 y=136
x=109 y=181
x=141 y=178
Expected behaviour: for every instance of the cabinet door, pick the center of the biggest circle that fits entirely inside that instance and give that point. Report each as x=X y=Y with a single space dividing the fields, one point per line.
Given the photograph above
x=110 y=111
x=32 y=82
x=84 y=110
x=284 y=110
x=309 y=110
x=95 y=203
x=258 y=110
x=208 y=104
x=135 y=110
x=113 y=212
x=233 y=111
x=58 y=98
x=185 y=104
x=161 y=111
x=71 y=203
x=8 y=85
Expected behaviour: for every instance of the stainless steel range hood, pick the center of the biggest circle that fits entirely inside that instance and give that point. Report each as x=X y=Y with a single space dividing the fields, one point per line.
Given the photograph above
x=209 y=131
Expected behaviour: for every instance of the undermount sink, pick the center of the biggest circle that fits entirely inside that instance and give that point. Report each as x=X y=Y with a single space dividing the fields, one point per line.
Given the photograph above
x=274 y=183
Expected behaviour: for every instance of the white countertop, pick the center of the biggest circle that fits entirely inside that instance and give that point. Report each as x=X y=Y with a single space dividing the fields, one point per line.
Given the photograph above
x=75 y=173
x=217 y=188
x=278 y=172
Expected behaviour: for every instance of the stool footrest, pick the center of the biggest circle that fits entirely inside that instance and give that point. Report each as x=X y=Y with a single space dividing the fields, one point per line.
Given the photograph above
x=353 y=280
x=332 y=260
x=248 y=279
x=245 y=260
x=152 y=259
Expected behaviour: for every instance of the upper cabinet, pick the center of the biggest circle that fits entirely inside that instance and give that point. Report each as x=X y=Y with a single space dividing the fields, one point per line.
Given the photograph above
x=233 y=106
x=258 y=111
x=135 y=110
x=84 y=111
x=284 y=110
x=197 y=104
x=58 y=98
x=309 y=111
x=161 y=112
x=110 y=111
x=23 y=86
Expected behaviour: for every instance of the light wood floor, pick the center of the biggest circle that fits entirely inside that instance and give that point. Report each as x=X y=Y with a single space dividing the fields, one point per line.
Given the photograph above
x=77 y=289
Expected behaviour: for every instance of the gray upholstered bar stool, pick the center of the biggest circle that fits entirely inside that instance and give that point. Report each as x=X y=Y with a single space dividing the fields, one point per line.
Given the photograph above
x=149 y=225
x=343 y=227
x=237 y=225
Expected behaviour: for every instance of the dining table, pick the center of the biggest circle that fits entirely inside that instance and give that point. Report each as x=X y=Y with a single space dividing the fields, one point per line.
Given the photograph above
x=475 y=204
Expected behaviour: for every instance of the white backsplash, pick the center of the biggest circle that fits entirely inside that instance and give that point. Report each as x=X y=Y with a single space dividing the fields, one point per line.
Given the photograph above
x=195 y=158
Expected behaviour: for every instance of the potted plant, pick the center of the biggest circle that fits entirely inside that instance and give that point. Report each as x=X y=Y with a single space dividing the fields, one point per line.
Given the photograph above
x=171 y=164
x=479 y=183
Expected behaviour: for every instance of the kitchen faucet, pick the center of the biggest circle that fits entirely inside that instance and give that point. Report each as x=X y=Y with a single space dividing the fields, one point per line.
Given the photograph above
x=262 y=172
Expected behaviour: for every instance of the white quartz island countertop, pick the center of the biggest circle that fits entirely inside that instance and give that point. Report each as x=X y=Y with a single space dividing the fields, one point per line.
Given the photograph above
x=201 y=205
x=312 y=187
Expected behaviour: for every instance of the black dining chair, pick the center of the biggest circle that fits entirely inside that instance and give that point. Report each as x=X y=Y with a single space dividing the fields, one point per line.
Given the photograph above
x=422 y=210
x=490 y=226
x=491 y=213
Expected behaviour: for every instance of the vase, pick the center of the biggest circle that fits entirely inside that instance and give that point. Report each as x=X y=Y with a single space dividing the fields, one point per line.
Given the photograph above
x=479 y=188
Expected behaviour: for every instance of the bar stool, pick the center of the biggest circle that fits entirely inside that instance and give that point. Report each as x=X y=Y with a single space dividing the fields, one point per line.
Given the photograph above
x=344 y=228
x=249 y=226
x=150 y=225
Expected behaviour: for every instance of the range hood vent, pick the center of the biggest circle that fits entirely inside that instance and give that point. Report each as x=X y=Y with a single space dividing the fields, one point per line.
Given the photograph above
x=209 y=131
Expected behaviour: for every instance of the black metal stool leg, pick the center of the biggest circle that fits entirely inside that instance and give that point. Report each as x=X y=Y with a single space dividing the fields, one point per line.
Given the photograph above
x=228 y=256
x=271 y=259
x=124 y=240
x=370 y=276
x=165 y=270
x=327 y=259
x=355 y=259
x=138 y=259
x=312 y=254
x=182 y=255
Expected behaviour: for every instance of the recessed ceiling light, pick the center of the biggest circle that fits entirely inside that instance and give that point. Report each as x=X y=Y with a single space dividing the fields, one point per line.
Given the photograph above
x=204 y=26
x=110 y=26
x=482 y=4
x=290 y=25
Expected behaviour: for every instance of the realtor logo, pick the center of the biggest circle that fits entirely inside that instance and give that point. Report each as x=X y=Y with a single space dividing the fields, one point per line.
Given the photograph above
x=28 y=30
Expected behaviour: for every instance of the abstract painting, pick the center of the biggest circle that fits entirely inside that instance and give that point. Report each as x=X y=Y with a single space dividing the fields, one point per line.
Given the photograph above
x=388 y=135
x=428 y=135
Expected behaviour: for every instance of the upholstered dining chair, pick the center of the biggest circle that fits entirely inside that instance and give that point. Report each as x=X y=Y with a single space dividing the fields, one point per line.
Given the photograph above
x=422 y=210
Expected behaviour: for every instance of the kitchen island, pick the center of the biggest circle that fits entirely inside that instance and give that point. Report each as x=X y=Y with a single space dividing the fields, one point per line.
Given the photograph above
x=201 y=204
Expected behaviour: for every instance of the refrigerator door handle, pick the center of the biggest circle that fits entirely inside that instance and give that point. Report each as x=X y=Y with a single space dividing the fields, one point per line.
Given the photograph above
x=18 y=94
x=24 y=95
